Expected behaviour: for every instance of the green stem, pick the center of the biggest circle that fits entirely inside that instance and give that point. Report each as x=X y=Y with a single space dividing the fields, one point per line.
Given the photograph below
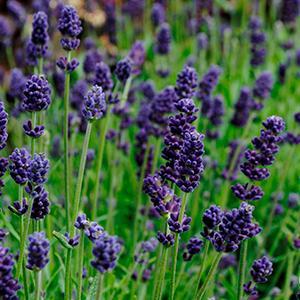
x=80 y=265
x=67 y=180
x=103 y=130
x=34 y=117
x=203 y=261
x=80 y=175
x=25 y=282
x=242 y=268
x=66 y=146
x=40 y=66
x=176 y=246
x=23 y=237
x=68 y=275
x=289 y=272
x=126 y=91
x=99 y=287
x=209 y=276
x=10 y=56
x=139 y=196
x=38 y=283
x=162 y=270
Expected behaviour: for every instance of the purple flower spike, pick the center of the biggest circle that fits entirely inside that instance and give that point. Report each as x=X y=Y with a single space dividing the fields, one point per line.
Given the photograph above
x=103 y=77
x=19 y=162
x=94 y=105
x=137 y=56
x=163 y=39
x=8 y=285
x=177 y=227
x=193 y=247
x=212 y=216
x=263 y=86
x=3 y=126
x=186 y=82
x=123 y=70
x=35 y=132
x=105 y=251
x=38 y=169
x=261 y=269
x=157 y=14
x=69 y=25
x=37 y=94
x=38 y=250
x=275 y=124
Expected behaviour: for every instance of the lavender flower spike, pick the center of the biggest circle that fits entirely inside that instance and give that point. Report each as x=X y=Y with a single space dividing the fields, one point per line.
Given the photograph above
x=94 y=105
x=38 y=250
x=3 y=126
x=19 y=162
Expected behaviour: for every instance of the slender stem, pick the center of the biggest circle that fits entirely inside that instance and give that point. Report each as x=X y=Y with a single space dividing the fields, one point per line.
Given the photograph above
x=203 y=261
x=66 y=146
x=34 y=117
x=38 y=283
x=289 y=272
x=80 y=265
x=80 y=174
x=103 y=130
x=176 y=246
x=23 y=237
x=68 y=275
x=67 y=180
x=99 y=287
x=40 y=66
x=10 y=56
x=139 y=195
x=25 y=282
x=126 y=91
x=242 y=268
x=162 y=270
x=209 y=276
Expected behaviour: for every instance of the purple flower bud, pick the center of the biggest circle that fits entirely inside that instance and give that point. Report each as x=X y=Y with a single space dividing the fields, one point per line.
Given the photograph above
x=289 y=11
x=157 y=14
x=93 y=231
x=19 y=207
x=136 y=56
x=293 y=200
x=275 y=124
x=193 y=247
x=176 y=226
x=38 y=250
x=263 y=86
x=35 y=132
x=247 y=192
x=81 y=222
x=103 y=77
x=186 y=83
x=74 y=241
x=167 y=240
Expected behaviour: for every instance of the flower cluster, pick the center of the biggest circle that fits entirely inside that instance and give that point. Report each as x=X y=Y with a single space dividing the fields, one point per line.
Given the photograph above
x=206 y=87
x=94 y=105
x=157 y=14
x=103 y=77
x=123 y=70
x=37 y=94
x=8 y=285
x=136 y=57
x=226 y=230
x=186 y=82
x=193 y=247
x=3 y=169
x=3 y=126
x=265 y=147
x=260 y=271
x=38 y=44
x=38 y=250
x=70 y=27
x=19 y=162
x=163 y=39
x=106 y=250
x=257 y=40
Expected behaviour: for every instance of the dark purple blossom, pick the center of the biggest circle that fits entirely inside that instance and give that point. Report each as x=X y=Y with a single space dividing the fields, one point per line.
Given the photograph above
x=163 y=39
x=8 y=285
x=38 y=169
x=92 y=57
x=289 y=10
x=19 y=207
x=93 y=231
x=38 y=251
x=106 y=250
x=137 y=56
x=3 y=126
x=263 y=86
x=176 y=226
x=167 y=240
x=36 y=94
x=157 y=14
x=103 y=77
x=186 y=83
x=94 y=105
x=35 y=132
x=247 y=191
x=19 y=163
x=193 y=247
x=123 y=70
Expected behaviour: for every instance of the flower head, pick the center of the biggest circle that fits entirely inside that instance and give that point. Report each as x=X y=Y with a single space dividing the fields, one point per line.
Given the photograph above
x=38 y=169
x=163 y=39
x=94 y=105
x=19 y=163
x=37 y=94
x=3 y=126
x=38 y=250
x=123 y=70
